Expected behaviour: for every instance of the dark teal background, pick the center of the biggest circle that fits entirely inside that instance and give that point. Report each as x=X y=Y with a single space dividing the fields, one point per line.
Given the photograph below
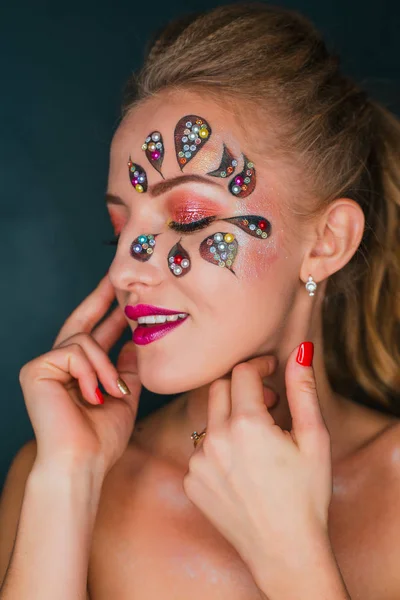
x=63 y=66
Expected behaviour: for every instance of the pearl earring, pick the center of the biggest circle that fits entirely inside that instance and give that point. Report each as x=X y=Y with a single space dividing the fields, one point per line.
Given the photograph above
x=311 y=286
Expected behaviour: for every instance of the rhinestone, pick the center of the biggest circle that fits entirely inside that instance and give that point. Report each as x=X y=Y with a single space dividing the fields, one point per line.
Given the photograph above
x=193 y=147
x=177 y=270
x=188 y=154
x=186 y=131
x=137 y=248
x=151 y=146
x=221 y=263
x=150 y=250
x=209 y=242
x=180 y=154
x=245 y=222
x=248 y=172
x=247 y=179
x=189 y=124
x=222 y=246
x=216 y=257
x=155 y=136
x=141 y=178
x=185 y=263
x=222 y=174
x=152 y=242
x=145 y=246
x=224 y=256
x=228 y=263
x=142 y=239
x=159 y=145
x=184 y=139
x=144 y=146
x=264 y=234
x=150 y=236
x=250 y=165
x=192 y=136
x=258 y=232
x=218 y=237
x=252 y=227
x=203 y=133
x=229 y=237
x=213 y=249
x=199 y=121
x=198 y=141
x=171 y=259
x=234 y=163
x=231 y=247
x=136 y=173
x=195 y=129
x=230 y=255
x=236 y=189
x=186 y=147
x=148 y=139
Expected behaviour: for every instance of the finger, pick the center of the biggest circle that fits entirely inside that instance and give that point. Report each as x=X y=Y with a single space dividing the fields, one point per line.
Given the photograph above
x=89 y=312
x=219 y=403
x=108 y=373
x=110 y=330
x=61 y=365
x=307 y=422
x=247 y=388
x=127 y=368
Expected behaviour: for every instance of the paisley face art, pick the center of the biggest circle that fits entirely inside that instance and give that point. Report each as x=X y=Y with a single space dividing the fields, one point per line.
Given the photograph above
x=220 y=249
x=244 y=183
x=179 y=260
x=154 y=149
x=142 y=247
x=252 y=224
x=227 y=166
x=191 y=133
x=137 y=176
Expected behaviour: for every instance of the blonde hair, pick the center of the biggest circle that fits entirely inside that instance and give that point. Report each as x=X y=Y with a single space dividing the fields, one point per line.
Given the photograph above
x=347 y=144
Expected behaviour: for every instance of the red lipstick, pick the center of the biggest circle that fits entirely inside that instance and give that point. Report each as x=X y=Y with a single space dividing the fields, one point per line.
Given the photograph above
x=154 y=322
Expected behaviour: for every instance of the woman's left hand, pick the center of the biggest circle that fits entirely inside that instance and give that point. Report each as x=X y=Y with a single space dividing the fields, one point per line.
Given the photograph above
x=265 y=489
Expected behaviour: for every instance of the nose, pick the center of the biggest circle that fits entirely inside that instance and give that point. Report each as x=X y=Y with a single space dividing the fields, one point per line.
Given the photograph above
x=128 y=272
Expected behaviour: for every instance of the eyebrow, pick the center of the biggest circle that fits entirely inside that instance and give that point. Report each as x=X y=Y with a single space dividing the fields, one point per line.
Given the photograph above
x=164 y=186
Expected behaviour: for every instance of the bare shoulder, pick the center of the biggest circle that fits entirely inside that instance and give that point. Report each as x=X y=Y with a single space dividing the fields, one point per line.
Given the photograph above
x=11 y=500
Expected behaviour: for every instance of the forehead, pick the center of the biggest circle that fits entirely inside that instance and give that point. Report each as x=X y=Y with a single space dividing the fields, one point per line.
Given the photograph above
x=163 y=111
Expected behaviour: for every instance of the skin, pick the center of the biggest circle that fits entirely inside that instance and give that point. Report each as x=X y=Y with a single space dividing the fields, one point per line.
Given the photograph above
x=144 y=513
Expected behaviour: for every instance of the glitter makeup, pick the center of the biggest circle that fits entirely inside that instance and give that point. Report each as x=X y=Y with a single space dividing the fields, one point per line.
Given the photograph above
x=179 y=260
x=252 y=224
x=244 y=183
x=154 y=149
x=191 y=133
x=142 y=247
x=137 y=176
x=220 y=249
x=227 y=166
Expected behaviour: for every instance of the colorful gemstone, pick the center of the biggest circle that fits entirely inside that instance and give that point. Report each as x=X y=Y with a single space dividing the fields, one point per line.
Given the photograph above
x=251 y=224
x=137 y=176
x=195 y=135
x=216 y=251
x=178 y=260
x=140 y=248
x=155 y=151
x=244 y=183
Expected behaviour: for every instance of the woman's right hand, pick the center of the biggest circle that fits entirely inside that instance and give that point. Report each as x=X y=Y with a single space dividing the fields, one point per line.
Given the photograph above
x=59 y=388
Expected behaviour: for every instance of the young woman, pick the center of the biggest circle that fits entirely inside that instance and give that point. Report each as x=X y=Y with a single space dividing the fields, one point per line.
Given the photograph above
x=255 y=193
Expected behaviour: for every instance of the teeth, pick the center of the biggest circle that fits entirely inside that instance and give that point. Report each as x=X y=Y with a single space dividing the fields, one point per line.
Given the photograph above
x=152 y=319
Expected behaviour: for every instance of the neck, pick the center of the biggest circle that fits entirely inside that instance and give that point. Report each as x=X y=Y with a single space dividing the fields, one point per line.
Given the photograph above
x=192 y=405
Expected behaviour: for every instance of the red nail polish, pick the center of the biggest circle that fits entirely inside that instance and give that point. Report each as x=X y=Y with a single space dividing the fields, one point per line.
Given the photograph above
x=305 y=354
x=99 y=396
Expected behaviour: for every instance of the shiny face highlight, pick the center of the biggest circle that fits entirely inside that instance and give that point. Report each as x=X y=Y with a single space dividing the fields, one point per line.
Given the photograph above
x=228 y=314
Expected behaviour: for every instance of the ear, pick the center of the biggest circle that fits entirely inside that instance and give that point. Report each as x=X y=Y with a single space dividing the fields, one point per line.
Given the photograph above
x=339 y=232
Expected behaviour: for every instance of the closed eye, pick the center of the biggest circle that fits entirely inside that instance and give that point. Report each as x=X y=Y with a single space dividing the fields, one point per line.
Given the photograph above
x=190 y=227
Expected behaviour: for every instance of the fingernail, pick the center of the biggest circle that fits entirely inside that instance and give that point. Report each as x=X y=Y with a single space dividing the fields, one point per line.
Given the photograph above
x=99 y=396
x=305 y=354
x=122 y=386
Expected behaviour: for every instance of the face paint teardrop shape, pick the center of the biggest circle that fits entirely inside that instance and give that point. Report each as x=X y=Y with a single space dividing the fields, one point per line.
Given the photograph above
x=142 y=247
x=244 y=183
x=137 y=176
x=252 y=224
x=220 y=249
x=154 y=149
x=227 y=166
x=191 y=133
x=179 y=260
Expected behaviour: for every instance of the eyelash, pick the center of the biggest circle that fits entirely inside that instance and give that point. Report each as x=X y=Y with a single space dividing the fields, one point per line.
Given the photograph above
x=190 y=227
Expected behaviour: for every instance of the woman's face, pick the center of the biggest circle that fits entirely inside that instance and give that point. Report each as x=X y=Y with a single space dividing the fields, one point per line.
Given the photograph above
x=238 y=304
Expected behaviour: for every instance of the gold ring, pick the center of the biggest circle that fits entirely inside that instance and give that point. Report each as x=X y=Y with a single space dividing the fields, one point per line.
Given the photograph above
x=197 y=437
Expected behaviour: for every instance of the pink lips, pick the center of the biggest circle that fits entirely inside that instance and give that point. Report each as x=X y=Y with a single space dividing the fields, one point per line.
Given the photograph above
x=145 y=335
